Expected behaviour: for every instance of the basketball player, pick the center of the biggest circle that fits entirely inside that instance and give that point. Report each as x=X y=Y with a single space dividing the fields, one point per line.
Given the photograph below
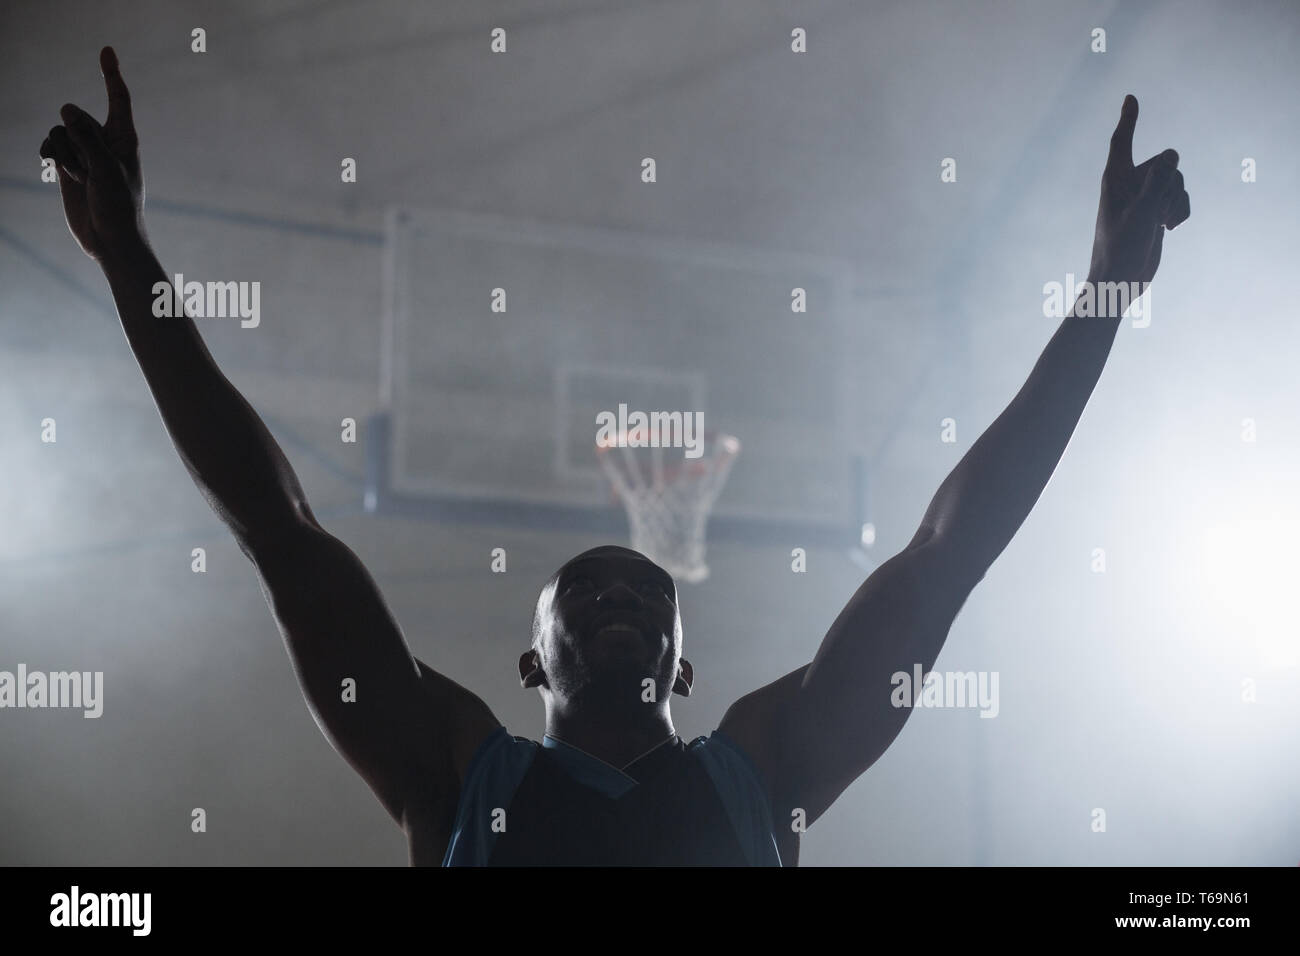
x=611 y=782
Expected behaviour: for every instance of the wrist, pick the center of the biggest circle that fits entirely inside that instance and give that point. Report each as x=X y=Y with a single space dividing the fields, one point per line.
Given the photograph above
x=128 y=250
x=1104 y=299
x=1101 y=271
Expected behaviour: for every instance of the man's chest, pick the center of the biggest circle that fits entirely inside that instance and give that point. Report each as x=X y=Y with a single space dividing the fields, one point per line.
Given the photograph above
x=671 y=818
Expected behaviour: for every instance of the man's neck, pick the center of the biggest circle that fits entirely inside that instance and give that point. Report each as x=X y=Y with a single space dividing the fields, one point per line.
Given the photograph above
x=617 y=743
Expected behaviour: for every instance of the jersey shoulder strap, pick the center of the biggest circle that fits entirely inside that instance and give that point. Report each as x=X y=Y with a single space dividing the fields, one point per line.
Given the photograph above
x=493 y=775
x=736 y=780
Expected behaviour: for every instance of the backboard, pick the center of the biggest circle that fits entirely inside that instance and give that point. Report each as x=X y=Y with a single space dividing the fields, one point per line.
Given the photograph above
x=501 y=404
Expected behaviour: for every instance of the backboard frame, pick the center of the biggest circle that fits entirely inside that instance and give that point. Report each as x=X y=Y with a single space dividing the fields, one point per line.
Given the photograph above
x=601 y=514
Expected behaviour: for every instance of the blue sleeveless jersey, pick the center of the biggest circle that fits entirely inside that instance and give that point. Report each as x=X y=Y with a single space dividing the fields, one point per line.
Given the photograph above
x=525 y=803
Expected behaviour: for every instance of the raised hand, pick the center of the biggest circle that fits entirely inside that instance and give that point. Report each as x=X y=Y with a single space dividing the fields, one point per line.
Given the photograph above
x=1138 y=203
x=99 y=169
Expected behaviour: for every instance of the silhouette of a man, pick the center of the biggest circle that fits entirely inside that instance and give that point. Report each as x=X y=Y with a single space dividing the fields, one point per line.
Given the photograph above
x=611 y=782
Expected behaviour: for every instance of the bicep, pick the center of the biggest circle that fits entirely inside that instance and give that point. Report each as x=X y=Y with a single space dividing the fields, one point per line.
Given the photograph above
x=388 y=715
x=817 y=729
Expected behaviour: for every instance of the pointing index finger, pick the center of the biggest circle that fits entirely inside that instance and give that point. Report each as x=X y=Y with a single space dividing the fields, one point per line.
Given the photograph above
x=119 y=98
x=1121 y=141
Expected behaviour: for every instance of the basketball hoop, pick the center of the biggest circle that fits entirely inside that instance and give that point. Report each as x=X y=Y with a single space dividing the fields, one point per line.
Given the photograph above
x=668 y=496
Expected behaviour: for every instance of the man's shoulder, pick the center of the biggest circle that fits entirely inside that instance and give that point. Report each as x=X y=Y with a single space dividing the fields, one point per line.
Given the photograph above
x=721 y=748
x=499 y=743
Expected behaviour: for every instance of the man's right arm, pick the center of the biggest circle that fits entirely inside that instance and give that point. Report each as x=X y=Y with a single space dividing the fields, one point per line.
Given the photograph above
x=406 y=729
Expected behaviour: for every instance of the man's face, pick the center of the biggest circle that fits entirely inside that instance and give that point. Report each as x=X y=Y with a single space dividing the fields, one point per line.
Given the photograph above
x=607 y=621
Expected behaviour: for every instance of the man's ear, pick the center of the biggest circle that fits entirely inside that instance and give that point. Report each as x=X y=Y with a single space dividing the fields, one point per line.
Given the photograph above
x=685 y=677
x=530 y=670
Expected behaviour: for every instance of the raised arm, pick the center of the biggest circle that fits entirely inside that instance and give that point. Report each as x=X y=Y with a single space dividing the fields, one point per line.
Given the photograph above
x=817 y=729
x=409 y=732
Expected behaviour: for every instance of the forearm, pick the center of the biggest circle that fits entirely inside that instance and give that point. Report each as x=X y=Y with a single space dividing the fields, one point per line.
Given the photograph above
x=228 y=450
x=987 y=496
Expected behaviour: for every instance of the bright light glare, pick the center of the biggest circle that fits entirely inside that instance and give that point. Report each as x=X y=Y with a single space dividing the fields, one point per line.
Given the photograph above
x=1250 y=576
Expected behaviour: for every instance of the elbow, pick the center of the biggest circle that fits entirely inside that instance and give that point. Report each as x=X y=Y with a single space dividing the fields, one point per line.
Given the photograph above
x=283 y=532
x=950 y=558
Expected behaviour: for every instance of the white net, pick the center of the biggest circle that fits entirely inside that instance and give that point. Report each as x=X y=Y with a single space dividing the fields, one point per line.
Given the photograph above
x=668 y=496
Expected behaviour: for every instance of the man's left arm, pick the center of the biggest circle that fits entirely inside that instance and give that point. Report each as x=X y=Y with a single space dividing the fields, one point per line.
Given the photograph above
x=814 y=731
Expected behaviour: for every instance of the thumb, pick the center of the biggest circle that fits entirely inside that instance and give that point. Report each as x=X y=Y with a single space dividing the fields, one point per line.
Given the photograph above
x=88 y=136
x=72 y=191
